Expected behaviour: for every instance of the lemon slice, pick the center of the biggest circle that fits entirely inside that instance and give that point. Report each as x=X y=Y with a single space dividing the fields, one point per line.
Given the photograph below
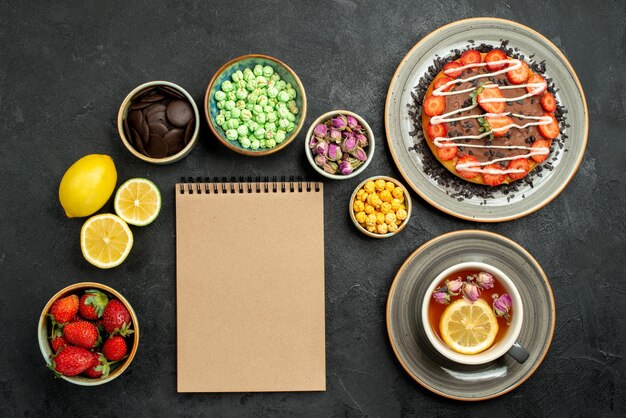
x=105 y=240
x=468 y=328
x=138 y=202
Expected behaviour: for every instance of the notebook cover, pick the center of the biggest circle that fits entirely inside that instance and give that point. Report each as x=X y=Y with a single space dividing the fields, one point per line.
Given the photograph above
x=250 y=291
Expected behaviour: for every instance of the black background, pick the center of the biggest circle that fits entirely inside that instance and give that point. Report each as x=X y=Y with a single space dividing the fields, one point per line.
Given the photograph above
x=65 y=69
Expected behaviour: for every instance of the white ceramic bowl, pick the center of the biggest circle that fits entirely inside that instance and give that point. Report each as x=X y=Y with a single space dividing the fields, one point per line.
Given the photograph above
x=369 y=150
x=495 y=351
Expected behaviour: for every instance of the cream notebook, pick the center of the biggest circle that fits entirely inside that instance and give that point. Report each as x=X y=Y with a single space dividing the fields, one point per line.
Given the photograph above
x=250 y=286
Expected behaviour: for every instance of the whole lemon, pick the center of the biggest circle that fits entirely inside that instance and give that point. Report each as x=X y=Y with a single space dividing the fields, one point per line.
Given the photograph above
x=87 y=185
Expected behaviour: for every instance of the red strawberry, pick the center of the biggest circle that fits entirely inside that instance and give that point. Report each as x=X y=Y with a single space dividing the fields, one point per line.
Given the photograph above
x=436 y=131
x=536 y=79
x=57 y=343
x=520 y=75
x=116 y=318
x=451 y=66
x=519 y=164
x=465 y=160
x=495 y=55
x=548 y=102
x=471 y=57
x=82 y=334
x=498 y=122
x=540 y=143
x=76 y=318
x=434 y=105
x=98 y=368
x=71 y=361
x=92 y=303
x=494 y=179
x=551 y=130
x=491 y=93
x=441 y=81
x=447 y=153
x=64 y=309
x=114 y=348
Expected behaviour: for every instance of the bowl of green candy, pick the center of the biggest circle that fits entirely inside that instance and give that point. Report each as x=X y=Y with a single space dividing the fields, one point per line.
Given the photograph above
x=255 y=105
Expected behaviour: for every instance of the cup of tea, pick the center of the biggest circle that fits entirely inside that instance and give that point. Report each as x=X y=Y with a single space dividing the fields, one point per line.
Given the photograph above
x=472 y=313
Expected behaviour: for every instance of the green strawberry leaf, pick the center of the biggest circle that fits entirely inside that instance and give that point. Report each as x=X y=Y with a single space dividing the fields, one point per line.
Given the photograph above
x=97 y=300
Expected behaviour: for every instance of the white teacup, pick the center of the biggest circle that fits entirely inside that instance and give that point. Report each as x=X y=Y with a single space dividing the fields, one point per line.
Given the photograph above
x=506 y=345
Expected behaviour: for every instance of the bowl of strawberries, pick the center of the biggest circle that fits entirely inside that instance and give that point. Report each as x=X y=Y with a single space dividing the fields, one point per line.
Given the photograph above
x=88 y=334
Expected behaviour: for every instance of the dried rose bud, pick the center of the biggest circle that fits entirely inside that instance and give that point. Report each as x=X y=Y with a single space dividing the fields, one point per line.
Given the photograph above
x=334 y=152
x=484 y=280
x=352 y=122
x=355 y=162
x=340 y=122
x=313 y=143
x=320 y=130
x=441 y=296
x=335 y=135
x=330 y=167
x=345 y=167
x=454 y=286
x=349 y=144
x=471 y=291
x=322 y=148
x=359 y=154
x=362 y=140
x=502 y=305
x=320 y=160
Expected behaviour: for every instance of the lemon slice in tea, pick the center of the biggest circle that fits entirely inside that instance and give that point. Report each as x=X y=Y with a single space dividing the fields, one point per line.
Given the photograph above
x=105 y=240
x=468 y=328
x=138 y=202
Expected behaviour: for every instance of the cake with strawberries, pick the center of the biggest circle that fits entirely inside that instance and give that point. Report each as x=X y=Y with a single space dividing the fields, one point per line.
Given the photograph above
x=489 y=118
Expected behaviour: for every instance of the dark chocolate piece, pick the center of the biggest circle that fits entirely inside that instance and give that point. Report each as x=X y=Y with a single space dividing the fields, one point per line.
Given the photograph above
x=158 y=128
x=179 y=113
x=157 y=147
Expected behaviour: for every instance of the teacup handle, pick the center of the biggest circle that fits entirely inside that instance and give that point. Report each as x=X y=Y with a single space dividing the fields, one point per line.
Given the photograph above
x=518 y=352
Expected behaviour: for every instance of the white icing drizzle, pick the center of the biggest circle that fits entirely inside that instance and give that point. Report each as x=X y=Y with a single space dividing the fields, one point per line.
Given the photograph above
x=444 y=142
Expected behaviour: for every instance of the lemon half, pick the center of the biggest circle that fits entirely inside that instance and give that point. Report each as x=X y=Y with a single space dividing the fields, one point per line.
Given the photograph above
x=138 y=202
x=105 y=240
x=468 y=328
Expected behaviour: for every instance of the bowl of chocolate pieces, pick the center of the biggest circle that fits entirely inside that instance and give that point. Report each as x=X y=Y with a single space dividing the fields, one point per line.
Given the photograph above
x=159 y=122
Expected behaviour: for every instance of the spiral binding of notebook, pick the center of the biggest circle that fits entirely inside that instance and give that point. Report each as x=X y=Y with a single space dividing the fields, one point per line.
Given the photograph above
x=275 y=184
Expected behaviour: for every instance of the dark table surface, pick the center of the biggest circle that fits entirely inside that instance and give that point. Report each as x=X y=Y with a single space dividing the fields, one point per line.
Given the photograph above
x=64 y=70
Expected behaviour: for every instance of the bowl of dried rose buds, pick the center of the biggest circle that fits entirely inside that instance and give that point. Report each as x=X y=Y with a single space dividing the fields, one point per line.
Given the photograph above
x=339 y=144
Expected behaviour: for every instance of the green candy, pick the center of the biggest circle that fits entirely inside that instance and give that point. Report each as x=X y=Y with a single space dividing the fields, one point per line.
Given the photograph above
x=255 y=144
x=240 y=104
x=291 y=127
x=230 y=105
x=242 y=84
x=270 y=135
x=261 y=81
x=242 y=93
x=281 y=85
x=253 y=97
x=262 y=100
x=226 y=114
x=252 y=125
x=267 y=108
x=251 y=84
x=281 y=105
x=292 y=93
x=270 y=126
x=283 y=96
x=268 y=71
x=235 y=113
x=227 y=86
x=242 y=130
x=283 y=123
x=291 y=117
x=220 y=95
x=260 y=133
x=291 y=103
x=246 y=115
x=262 y=143
x=288 y=86
x=272 y=101
x=272 y=92
x=280 y=136
x=220 y=119
x=237 y=76
x=282 y=112
x=270 y=143
x=275 y=77
x=294 y=110
x=270 y=83
x=232 y=135
x=220 y=105
x=245 y=142
x=232 y=123
x=272 y=117
x=261 y=118
x=258 y=70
